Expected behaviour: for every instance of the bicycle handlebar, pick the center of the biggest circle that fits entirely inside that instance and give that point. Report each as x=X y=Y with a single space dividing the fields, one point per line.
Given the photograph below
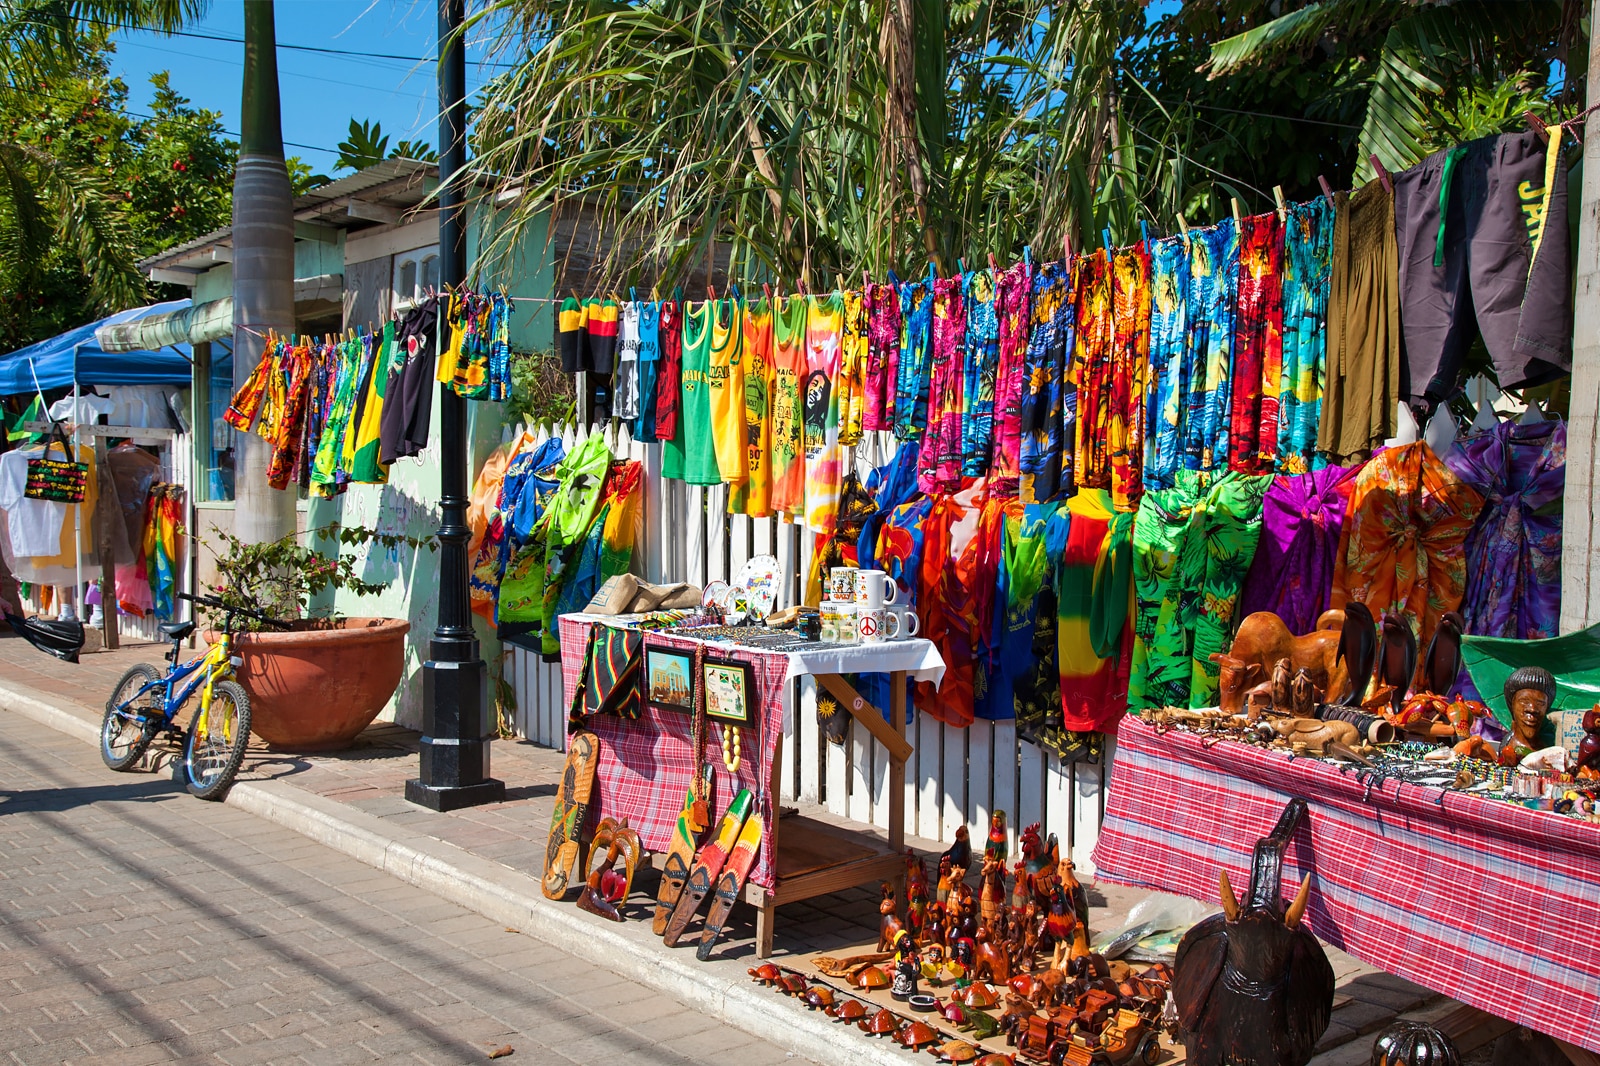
x=212 y=601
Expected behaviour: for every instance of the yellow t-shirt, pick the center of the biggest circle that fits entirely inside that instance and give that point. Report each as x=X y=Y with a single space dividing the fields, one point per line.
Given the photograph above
x=725 y=376
x=753 y=496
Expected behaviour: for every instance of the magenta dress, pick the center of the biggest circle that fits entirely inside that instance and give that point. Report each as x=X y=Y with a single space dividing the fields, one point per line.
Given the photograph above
x=1292 y=575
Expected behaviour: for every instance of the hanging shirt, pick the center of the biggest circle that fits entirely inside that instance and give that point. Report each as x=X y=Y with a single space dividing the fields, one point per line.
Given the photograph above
x=644 y=422
x=366 y=463
x=669 y=378
x=914 y=373
x=941 y=449
x=788 y=493
x=1045 y=458
x=725 y=382
x=408 y=397
x=753 y=496
x=1011 y=310
x=34 y=525
x=1094 y=630
x=981 y=364
x=625 y=384
x=852 y=368
x=882 y=304
x=600 y=335
x=691 y=456
x=824 y=338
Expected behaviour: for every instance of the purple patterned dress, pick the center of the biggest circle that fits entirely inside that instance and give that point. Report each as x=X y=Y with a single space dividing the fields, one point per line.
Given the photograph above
x=1514 y=550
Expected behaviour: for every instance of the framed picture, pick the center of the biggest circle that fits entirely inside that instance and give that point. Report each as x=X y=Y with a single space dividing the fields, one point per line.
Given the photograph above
x=669 y=679
x=730 y=692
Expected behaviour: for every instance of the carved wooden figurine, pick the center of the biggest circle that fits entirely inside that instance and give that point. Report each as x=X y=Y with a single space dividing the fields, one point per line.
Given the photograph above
x=1529 y=692
x=889 y=926
x=1397 y=657
x=1252 y=987
x=1263 y=639
x=1589 y=746
x=992 y=891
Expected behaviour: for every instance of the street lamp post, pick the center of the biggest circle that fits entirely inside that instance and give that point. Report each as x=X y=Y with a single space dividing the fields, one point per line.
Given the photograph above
x=455 y=699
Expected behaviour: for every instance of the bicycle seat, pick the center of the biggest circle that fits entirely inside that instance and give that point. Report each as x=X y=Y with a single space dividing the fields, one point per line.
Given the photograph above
x=176 y=631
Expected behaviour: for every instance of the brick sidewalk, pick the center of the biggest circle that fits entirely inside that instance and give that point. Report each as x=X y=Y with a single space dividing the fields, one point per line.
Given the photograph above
x=370 y=778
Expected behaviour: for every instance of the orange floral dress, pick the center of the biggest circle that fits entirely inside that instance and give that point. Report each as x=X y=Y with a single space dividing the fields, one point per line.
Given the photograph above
x=1402 y=547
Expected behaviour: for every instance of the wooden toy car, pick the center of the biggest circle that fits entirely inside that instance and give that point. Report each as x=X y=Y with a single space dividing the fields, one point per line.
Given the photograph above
x=1128 y=1038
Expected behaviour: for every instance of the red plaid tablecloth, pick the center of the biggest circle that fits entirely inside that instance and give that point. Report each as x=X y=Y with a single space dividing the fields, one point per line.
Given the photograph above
x=1495 y=905
x=645 y=765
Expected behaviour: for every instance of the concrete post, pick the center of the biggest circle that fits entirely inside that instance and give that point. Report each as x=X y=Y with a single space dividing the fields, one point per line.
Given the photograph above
x=1580 y=544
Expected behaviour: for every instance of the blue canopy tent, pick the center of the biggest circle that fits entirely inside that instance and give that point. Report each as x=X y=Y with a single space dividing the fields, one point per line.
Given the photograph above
x=77 y=358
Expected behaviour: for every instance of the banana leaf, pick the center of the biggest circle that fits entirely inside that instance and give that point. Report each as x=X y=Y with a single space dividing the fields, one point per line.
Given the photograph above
x=1574 y=659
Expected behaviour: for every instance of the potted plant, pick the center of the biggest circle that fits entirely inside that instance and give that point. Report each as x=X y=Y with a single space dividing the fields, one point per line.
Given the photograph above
x=318 y=683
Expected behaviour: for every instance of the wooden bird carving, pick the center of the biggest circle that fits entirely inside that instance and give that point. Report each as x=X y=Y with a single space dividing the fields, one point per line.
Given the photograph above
x=1358 y=651
x=1251 y=986
x=1397 y=657
x=1442 y=664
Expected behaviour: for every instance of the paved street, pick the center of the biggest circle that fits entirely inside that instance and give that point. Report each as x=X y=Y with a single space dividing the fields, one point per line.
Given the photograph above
x=139 y=925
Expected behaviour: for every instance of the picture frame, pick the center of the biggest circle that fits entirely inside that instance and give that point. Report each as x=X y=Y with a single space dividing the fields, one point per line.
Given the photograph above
x=730 y=692
x=669 y=679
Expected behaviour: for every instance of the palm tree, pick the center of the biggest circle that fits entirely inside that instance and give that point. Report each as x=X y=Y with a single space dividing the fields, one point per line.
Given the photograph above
x=807 y=138
x=46 y=202
x=1425 y=53
x=263 y=266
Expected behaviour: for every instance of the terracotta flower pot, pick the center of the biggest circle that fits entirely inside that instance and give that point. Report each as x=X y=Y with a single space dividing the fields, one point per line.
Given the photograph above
x=315 y=688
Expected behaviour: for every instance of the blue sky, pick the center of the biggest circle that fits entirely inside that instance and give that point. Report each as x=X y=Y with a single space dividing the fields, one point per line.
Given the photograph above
x=320 y=93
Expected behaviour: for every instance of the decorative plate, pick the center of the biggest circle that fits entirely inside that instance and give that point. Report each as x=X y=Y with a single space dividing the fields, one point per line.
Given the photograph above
x=759 y=578
x=713 y=593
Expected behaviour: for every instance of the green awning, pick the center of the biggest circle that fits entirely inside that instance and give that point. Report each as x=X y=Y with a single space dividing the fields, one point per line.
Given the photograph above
x=191 y=325
x=1573 y=658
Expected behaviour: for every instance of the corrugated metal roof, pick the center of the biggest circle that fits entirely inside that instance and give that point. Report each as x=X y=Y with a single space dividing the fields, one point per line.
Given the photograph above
x=383 y=173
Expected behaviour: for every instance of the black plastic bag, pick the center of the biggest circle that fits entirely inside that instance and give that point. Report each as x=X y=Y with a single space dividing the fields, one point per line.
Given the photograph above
x=62 y=639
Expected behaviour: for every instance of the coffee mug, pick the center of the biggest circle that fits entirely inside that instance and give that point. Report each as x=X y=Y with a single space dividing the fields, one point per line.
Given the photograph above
x=874 y=589
x=848 y=623
x=870 y=624
x=829 y=630
x=842 y=583
x=901 y=623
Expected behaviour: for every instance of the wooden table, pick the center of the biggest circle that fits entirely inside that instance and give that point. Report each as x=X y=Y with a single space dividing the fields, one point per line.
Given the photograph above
x=815 y=858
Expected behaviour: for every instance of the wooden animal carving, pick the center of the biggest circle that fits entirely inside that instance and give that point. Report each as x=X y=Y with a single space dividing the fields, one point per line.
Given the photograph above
x=1251 y=986
x=1282 y=678
x=1303 y=696
x=1589 y=746
x=992 y=891
x=992 y=963
x=1263 y=639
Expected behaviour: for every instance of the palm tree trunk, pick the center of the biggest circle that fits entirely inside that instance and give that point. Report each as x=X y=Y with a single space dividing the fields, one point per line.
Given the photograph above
x=263 y=266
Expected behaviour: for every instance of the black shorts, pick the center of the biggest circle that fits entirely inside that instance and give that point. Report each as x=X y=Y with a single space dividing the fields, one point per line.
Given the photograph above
x=1482 y=282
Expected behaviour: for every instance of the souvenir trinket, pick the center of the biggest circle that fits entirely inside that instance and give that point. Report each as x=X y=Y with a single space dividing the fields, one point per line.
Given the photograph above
x=792 y=983
x=848 y=1011
x=1408 y=1043
x=916 y=1035
x=767 y=973
x=1589 y=747
x=1529 y=692
x=922 y=1003
x=883 y=1023
x=872 y=978
x=818 y=997
x=1252 y=987
x=980 y=996
x=906 y=968
x=957 y=1051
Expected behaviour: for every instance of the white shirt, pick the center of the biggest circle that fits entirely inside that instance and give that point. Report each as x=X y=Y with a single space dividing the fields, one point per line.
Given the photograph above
x=625 y=383
x=90 y=408
x=33 y=525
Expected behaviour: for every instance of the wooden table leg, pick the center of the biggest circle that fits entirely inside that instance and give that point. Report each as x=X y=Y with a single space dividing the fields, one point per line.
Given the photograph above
x=897 y=767
x=766 y=911
x=764 y=919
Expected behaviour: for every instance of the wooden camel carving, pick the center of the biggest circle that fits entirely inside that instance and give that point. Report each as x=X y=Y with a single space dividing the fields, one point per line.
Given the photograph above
x=1263 y=642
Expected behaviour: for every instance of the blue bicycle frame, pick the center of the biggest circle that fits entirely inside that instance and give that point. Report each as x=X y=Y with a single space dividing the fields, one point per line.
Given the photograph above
x=221 y=663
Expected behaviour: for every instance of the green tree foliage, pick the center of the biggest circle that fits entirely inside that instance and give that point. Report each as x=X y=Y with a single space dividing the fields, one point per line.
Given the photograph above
x=367 y=144
x=791 y=137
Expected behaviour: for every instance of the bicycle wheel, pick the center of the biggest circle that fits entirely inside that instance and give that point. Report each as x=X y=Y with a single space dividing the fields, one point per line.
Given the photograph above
x=217 y=740
x=123 y=738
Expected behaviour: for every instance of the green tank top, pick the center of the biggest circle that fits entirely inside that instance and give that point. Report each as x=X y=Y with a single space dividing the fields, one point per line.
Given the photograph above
x=692 y=455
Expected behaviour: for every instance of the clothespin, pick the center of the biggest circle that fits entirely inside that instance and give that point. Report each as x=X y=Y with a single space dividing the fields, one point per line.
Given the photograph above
x=1537 y=125
x=1327 y=190
x=933 y=274
x=866 y=281
x=961 y=267
x=838 y=282
x=711 y=292
x=633 y=294
x=1105 y=239
x=1066 y=246
x=1183 y=225
x=1383 y=174
x=992 y=266
x=677 y=294
x=1235 y=202
x=1027 y=257
x=655 y=294
x=1283 y=208
x=1144 y=233
x=768 y=290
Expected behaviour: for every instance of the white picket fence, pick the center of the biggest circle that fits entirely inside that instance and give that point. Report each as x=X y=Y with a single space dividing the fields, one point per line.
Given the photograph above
x=954 y=776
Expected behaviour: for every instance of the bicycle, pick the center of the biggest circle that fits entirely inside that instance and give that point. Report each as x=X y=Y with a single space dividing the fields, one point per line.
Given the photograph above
x=146 y=702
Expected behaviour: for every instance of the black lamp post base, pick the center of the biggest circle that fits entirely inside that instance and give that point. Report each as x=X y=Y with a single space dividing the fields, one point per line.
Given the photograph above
x=455 y=797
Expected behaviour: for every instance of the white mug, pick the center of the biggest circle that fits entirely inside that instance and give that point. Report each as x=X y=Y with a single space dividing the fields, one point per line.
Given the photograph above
x=875 y=589
x=901 y=623
x=848 y=628
x=870 y=624
x=830 y=620
x=842 y=583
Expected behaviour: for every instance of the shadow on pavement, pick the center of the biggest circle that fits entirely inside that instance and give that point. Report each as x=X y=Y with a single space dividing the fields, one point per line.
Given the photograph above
x=66 y=799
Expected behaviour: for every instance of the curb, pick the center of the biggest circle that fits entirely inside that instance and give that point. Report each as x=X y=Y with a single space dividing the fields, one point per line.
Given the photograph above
x=514 y=899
